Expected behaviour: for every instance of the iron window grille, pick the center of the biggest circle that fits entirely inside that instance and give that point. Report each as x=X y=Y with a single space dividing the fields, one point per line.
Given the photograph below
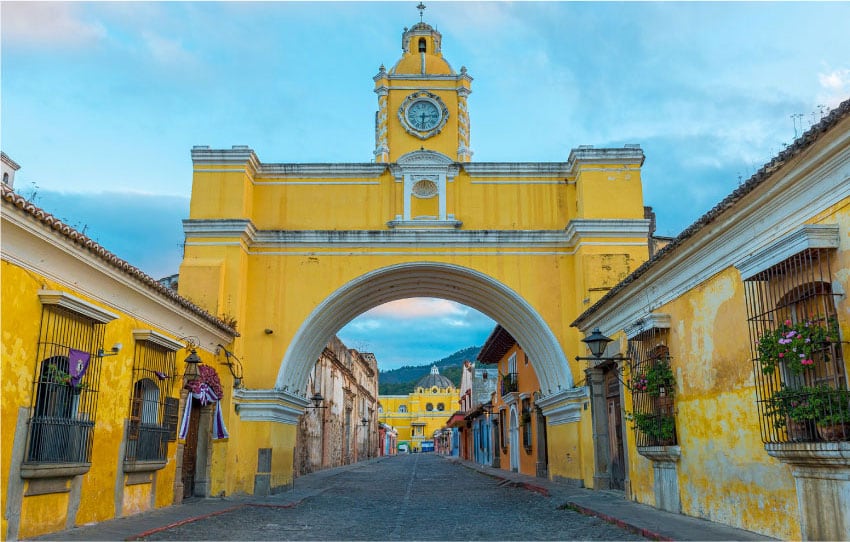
x=153 y=413
x=64 y=411
x=652 y=386
x=510 y=383
x=796 y=295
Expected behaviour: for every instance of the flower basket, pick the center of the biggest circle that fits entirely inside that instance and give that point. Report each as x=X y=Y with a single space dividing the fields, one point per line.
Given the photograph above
x=660 y=429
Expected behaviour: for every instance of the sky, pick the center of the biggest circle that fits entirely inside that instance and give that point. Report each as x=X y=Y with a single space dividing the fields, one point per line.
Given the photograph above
x=102 y=102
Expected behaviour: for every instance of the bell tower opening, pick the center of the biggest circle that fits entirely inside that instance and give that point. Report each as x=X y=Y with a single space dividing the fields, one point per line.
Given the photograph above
x=422 y=45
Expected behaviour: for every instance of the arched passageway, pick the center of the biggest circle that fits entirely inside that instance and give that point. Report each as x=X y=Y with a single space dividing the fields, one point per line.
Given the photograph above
x=426 y=279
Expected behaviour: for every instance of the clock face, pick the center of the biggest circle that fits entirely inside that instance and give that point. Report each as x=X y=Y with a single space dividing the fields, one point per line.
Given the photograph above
x=423 y=115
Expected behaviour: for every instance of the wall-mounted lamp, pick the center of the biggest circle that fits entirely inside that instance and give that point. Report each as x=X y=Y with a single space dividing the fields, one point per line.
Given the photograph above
x=114 y=350
x=192 y=361
x=317 y=399
x=364 y=422
x=597 y=342
x=233 y=364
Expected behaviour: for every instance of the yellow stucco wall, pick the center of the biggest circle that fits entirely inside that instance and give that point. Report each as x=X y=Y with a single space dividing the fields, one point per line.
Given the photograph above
x=46 y=513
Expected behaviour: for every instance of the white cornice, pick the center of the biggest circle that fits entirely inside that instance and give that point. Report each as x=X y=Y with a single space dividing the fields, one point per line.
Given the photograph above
x=275 y=405
x=805 y=237
x=152 y=336
x=242 y=228
x=564 y=406
x=366 y=170
x=75 y=304
x=546 y=170
x=650 y=321
x=238 y=155
x=794 y=195
x=586 y=154
x=582 y=228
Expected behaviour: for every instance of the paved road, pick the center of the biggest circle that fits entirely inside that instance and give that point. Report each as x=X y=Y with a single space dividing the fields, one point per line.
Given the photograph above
x=410 y=497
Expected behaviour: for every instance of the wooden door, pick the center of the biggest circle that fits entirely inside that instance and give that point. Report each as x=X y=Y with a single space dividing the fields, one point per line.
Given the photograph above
x=615 y=430
x=190 y=450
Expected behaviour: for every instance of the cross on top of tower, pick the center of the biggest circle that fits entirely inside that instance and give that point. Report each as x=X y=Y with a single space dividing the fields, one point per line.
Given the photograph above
x=421 y=8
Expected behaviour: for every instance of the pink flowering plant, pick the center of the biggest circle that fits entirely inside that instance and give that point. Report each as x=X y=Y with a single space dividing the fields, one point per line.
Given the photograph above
x=656 y=380
x=794 y=345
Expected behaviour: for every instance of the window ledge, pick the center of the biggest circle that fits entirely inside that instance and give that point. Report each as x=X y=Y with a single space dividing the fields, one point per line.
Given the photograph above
x=811 y=454
x=670 y=454
x=53 y=470
x=144 y=466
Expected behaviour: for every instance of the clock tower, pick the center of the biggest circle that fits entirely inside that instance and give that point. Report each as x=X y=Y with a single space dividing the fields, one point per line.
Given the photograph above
x=422 y=100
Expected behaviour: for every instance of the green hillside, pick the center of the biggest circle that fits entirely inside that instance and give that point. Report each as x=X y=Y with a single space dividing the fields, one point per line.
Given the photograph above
x=402 y=380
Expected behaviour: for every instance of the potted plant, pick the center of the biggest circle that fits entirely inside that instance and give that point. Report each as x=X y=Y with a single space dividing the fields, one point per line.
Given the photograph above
x=660 y=429
x=794 y=345
x=791 y=408
x=61 y=377
x=830 y=409
x=659 y=382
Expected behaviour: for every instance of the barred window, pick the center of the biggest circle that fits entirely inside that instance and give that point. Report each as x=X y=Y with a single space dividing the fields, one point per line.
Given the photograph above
x=153 y=413
x=65 y=386
x=801 y=384
x=652 y=384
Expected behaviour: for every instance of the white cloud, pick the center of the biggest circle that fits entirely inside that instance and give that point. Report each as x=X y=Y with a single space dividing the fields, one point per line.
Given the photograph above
x=167 y=51
x=48 y=24
x=835 y=85
x=416 y=308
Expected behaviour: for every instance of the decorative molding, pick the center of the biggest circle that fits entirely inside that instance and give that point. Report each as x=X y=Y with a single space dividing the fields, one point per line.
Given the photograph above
x=275 y=405
x=666 y=454
x=152 y=336
x=237 y=155
x=242 y=229
x=583 y=228
x=586 y=154
x=650 y=321
x=805 y=237
x=424 y=224
x=563 y=406
x=559 y=170
x=77 y=305
x=823 y=455
x=321 y=171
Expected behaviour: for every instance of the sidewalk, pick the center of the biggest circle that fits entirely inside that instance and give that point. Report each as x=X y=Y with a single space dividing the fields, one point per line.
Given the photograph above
x=612 y=506
x=608 y=505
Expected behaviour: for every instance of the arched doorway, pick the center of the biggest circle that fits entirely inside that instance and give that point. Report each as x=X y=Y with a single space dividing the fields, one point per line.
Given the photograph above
x=514 y=439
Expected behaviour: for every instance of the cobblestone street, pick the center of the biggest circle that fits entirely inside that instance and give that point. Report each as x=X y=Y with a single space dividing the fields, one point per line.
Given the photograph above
x=419 y=496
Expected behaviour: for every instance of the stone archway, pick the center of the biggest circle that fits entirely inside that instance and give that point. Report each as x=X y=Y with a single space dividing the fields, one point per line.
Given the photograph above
x=427 y=279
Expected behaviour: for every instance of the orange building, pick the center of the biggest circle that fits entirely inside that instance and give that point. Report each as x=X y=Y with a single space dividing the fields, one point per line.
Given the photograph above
x=519 y=428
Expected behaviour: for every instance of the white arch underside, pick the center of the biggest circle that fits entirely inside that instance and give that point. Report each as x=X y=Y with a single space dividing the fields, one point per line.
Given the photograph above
x=426 y=279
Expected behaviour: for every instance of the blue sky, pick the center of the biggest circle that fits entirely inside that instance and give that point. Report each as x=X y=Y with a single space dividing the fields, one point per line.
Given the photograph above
x=102 y=102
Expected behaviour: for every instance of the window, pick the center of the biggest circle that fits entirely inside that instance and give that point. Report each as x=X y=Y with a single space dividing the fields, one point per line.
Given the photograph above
x=441 y=407
x=652 y=383
x=66 y=380
x=791 y=309
x=526 y=423
x=503 y=429
x=153 y=413
x=402 y=408
x=429 y=407
x=422 y=45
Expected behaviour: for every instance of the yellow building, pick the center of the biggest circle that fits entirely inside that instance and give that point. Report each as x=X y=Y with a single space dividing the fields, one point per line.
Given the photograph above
x=93 y=370
x=734 y=344
x=294 y=251
x=419 y=414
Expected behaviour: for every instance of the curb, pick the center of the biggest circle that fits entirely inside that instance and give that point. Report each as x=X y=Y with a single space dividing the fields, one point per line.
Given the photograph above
x=646 y=533
x=184 y=522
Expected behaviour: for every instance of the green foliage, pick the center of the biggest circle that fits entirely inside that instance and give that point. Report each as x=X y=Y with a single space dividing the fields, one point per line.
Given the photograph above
x=658 y=427
x=794 y=344
x=401 y=381
x=657 y=380
x=822 y=404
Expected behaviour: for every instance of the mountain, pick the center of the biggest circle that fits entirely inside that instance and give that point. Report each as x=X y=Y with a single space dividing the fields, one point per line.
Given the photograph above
x=402 y=380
